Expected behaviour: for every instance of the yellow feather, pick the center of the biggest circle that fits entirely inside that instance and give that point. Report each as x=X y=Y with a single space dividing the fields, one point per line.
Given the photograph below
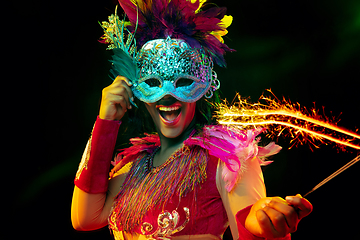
x=224 y=23
x=201 y=2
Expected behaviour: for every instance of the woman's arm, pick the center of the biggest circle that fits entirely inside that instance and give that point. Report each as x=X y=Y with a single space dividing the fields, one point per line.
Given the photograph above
x=94 y=193
x=248 y=191
x=252 y=215
x=91 y=211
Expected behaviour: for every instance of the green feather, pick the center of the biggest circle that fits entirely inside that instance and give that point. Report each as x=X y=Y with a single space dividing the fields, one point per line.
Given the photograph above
x=123 y=65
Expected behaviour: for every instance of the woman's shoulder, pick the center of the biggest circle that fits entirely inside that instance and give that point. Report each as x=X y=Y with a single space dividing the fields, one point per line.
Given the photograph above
x=227 y=143
x=138 y=149
x=234 y=147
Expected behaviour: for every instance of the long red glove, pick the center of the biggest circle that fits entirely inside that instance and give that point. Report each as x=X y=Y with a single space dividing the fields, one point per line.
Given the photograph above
x=93 y=173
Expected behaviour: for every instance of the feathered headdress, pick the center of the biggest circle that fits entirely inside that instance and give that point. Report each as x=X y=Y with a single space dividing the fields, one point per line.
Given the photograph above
x=180 y=19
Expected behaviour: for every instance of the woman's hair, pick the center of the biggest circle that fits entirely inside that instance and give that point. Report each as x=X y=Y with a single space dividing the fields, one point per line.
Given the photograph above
x=205 y=108
x=138 y=120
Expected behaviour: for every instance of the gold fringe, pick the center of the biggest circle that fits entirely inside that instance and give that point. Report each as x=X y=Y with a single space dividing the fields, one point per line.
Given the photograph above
x=147 y=188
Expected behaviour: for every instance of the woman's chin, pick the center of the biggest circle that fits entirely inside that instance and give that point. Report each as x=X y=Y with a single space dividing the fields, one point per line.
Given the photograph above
x=171 y=132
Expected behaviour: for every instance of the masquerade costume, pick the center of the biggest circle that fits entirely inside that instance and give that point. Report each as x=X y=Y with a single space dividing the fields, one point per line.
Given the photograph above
x=211 y=181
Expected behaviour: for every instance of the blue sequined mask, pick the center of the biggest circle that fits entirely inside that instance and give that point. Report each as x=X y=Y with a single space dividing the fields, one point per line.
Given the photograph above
x=171 y=66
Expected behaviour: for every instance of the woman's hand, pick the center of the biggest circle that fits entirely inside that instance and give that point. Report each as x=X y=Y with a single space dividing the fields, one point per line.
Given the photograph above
x=115 y=99
x=274 y=217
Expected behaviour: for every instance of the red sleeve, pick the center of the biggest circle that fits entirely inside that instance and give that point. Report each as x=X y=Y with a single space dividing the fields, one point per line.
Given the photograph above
x=93 y=173
x=244 y=234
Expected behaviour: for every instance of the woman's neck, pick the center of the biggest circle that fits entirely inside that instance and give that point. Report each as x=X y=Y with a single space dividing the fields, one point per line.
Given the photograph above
x=170 y=145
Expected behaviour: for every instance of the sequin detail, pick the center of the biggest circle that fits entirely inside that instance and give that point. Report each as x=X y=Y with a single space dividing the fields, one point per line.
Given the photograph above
x=146 y=189
x=85 y=157
x=168 y=61
x=167 y=225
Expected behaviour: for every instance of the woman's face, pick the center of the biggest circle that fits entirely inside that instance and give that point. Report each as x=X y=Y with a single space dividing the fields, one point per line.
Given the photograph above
x=171 y=116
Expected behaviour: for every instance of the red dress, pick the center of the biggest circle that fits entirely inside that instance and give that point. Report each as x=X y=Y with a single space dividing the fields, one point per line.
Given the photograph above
x=207 y=184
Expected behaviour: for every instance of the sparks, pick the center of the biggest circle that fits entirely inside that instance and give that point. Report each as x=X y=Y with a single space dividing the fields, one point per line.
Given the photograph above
x=282 y=117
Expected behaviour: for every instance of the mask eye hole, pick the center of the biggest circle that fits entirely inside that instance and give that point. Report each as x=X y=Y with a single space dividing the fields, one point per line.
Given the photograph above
x=183 y=82
x=153 y=82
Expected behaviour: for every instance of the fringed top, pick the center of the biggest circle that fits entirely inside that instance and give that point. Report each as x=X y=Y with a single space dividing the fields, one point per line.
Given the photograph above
x=146 y=187
x=151 y=189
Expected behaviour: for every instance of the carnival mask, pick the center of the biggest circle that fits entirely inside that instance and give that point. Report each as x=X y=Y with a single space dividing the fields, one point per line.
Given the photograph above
x=171 y=66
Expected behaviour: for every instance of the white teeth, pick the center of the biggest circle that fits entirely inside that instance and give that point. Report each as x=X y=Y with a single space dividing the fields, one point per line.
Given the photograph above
x=168 y=109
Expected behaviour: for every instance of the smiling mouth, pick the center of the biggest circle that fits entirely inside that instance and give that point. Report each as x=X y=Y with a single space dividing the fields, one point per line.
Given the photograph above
x=169 y=114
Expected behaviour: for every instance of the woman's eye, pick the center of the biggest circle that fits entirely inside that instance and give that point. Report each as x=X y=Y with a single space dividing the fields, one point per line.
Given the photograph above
x=183 y=82
x=153 y=82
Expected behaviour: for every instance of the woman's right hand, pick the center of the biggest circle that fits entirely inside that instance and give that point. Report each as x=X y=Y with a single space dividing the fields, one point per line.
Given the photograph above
x=115 y=99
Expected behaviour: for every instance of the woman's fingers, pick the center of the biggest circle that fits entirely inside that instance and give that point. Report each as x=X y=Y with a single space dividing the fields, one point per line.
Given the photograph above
x=303 y=205
x=274 y=217
x=126 y=83
x=278 y=217
x=265 y=223
x=116 y=99
x=121 y=87
x=273 y=222
x=286 y=213
x=121 y=78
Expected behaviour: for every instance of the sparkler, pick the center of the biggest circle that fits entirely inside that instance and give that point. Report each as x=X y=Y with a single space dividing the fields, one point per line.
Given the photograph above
x=340 y=170
x=282 y=117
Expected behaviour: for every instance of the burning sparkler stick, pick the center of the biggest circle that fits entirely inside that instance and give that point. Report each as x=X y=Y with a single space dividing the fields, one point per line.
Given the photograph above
x=343 y=168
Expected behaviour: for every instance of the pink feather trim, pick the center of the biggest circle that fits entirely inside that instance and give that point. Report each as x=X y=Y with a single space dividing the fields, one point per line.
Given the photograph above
x=234 y=147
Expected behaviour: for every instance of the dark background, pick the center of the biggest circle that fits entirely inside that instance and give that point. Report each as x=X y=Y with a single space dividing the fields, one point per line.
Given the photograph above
x=307 y=51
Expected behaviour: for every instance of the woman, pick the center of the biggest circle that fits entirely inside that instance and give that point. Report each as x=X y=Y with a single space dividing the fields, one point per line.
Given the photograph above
x=190 y=180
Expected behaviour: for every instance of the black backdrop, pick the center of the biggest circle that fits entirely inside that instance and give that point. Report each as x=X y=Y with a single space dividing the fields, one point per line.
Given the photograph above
x=307 y=51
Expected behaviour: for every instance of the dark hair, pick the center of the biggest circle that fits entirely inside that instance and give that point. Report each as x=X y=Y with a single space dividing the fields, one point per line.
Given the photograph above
x=205 y=110
x=138 y=121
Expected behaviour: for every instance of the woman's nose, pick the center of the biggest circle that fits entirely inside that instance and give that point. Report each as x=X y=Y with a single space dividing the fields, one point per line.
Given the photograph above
x=167 y=100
